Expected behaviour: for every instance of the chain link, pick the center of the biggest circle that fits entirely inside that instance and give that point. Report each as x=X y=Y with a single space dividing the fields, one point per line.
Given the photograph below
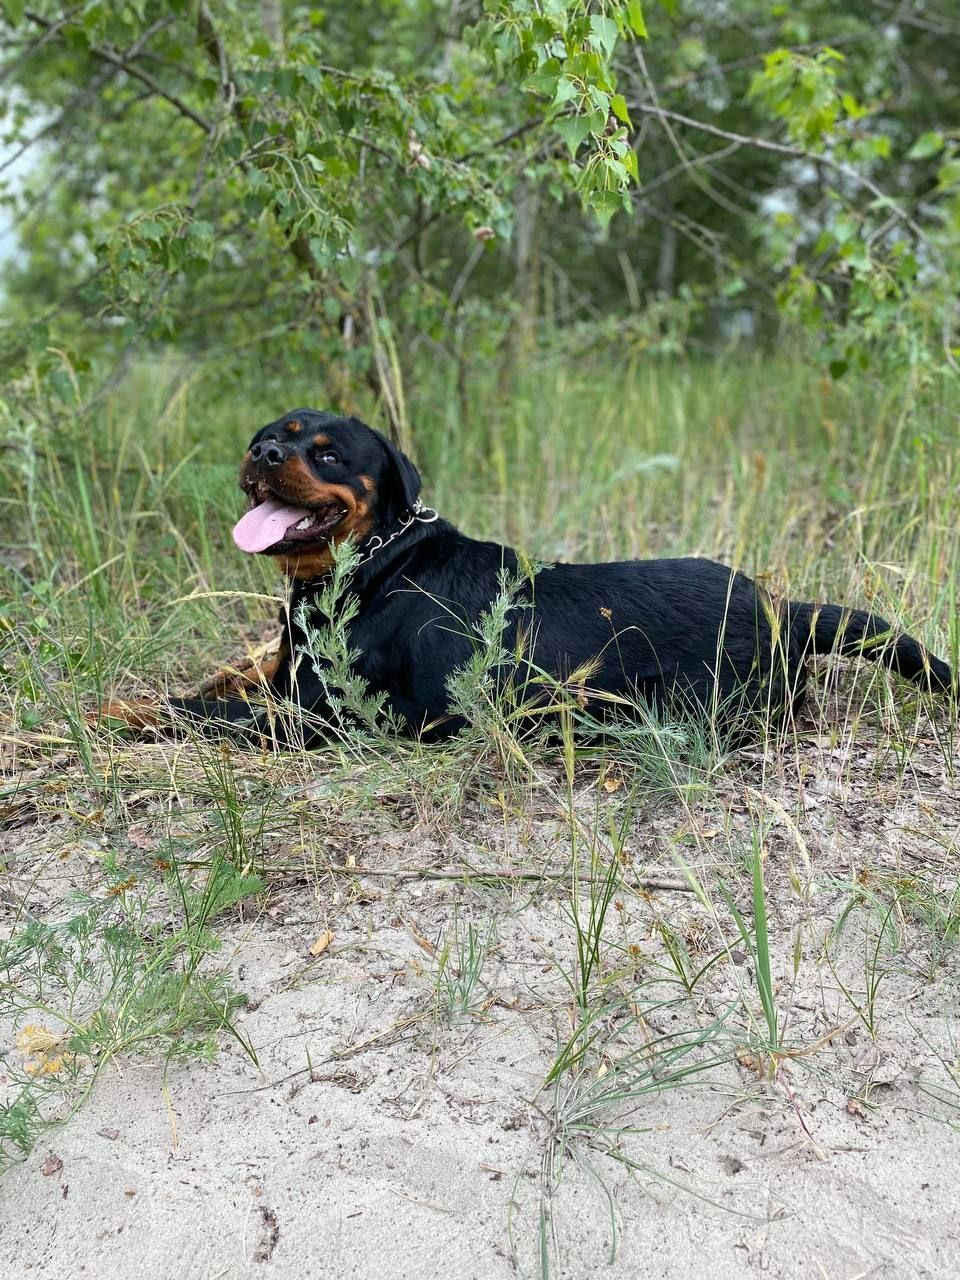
x=419 y=515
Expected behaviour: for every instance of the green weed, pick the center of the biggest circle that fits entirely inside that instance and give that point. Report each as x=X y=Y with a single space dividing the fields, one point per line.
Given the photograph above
x=460 y=959
x=116 y=977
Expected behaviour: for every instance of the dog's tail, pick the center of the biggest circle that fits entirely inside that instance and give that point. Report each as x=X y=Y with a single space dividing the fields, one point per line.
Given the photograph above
x=832 y=628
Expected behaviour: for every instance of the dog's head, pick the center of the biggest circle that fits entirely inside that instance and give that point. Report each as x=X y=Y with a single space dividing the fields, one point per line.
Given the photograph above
x=315 y=479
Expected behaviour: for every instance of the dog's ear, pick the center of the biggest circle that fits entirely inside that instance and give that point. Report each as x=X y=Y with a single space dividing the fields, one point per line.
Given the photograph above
x=407 y=475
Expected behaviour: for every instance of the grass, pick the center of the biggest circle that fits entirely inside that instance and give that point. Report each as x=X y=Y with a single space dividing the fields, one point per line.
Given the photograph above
x=621 y=867
x=460 y=962
x=119 y=974
x=127 y=519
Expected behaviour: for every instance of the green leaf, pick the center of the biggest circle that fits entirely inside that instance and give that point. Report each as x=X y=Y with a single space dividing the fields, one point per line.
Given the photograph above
x=61 y=385
x=546 y=78
x=635 y=18
x=824 y=242
x=573 y=130
x=604 y=32
x=617 y=171
x=566 y=90
x=734 y=286
x=852 y=107
x=150 y=230
x=618 y=105
x=601 y=101
x=350 y=271
x=604 y=205
x=857 y=255
x=928 y=144
x=543 y=29
x=596 y=121
x=13 y=10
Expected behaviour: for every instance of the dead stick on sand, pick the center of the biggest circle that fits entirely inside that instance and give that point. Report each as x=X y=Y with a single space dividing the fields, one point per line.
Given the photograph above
x=423 y=873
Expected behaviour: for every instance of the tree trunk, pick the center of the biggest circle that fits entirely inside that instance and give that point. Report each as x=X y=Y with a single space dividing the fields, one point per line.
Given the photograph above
x=522 y=334
x=271 y=19
x=667 y=265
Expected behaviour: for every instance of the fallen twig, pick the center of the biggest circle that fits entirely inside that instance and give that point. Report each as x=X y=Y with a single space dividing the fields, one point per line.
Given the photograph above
x=429 y=873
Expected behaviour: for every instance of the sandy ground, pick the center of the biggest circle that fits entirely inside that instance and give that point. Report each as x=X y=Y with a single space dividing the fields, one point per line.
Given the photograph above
x=377 y=1138
x=412 y=1156
x=339 y=1180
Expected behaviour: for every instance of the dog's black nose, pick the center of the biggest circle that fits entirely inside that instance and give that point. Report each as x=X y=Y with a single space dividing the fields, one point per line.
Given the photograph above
x=270 y=452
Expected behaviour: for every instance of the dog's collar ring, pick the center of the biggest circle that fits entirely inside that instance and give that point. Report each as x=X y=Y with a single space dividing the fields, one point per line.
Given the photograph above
x=417 y=514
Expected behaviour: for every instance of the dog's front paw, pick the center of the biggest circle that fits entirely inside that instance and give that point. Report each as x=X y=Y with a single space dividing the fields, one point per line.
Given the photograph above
x=118 y=713
x=256 y=671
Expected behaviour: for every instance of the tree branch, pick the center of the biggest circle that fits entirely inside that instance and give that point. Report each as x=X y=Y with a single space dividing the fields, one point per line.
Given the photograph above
x=297 y=243
x=124 y=63
x=52 y=29
x=795 y=153
x=68 y=113
x=216 y=53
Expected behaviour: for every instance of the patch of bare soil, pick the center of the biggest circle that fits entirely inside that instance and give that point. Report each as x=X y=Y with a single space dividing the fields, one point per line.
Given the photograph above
x=403 y=1118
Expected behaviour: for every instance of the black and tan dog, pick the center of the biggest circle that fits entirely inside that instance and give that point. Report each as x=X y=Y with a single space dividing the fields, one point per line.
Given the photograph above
x=674 y=634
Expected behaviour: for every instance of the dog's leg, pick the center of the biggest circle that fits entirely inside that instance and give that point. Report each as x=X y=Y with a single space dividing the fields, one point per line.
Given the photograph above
x=260 y=724
x=252 y=723
x=213 y=717
x=140 y=714
x=257 y=671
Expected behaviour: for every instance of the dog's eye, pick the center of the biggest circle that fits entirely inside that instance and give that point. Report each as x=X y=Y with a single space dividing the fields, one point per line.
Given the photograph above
x=329 y=458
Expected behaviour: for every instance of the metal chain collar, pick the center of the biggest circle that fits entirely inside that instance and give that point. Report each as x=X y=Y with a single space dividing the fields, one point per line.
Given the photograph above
x=418 y=515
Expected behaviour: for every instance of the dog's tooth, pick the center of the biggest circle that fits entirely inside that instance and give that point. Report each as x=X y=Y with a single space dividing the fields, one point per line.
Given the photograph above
x=305 y=523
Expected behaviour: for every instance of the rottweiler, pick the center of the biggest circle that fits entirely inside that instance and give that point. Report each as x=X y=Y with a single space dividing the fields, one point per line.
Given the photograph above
x=677 y=635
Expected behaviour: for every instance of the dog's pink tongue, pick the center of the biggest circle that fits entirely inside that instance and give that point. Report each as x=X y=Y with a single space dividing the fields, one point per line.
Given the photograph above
x=266 y=524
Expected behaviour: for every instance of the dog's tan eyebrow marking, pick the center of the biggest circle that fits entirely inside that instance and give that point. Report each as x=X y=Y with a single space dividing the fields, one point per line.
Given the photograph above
x=294 y=427
x=320 y=441
x=367 y=483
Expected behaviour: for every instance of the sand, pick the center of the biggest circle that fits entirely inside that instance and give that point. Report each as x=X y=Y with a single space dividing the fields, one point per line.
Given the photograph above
x=378 y=1136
